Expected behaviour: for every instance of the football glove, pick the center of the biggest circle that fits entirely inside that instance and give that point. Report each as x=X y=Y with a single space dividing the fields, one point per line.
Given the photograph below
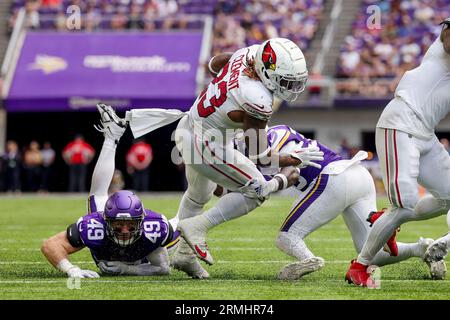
x=76 y=272
x=308 y=155
x=121 y=268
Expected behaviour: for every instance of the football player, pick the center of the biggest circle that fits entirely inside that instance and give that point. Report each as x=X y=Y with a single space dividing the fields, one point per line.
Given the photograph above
x=410 y=152
x=124 y=238
x=240 y=97
x=339 y=186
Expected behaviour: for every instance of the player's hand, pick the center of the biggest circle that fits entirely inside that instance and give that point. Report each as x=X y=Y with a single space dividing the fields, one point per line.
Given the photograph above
x=113 y=267
x=76 y=272
x=308 y=155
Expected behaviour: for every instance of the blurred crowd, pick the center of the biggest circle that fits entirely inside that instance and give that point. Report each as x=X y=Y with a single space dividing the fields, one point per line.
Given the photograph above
x=373 y=58
x=31 y=168
x=238 y=23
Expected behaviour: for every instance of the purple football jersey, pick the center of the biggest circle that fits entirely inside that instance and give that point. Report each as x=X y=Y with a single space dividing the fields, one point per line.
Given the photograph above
x=94 y=234
x=279 y=136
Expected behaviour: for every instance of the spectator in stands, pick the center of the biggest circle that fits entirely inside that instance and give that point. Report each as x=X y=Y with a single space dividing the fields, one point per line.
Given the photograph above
x=78 y=154
x=32 y=162
x=32 y=17
x=12 y=163
x=139 y=158
x=48 y=158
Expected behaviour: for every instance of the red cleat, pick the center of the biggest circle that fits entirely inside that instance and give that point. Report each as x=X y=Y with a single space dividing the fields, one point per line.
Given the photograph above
x=391 y=245
x=357 y=274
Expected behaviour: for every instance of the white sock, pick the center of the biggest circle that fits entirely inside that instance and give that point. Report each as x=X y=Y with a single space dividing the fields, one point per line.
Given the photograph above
x=405 y=251
x=230 y=206
x=381 y=231
x=104 y=169
x=293 y=246
x=429 y=207
x=188 y=208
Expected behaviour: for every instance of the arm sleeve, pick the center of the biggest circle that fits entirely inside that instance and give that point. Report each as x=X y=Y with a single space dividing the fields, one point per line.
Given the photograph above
x=73 y=236
x=169 y=235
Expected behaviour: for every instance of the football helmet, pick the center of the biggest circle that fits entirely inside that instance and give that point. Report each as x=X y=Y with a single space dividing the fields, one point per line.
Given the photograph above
x=281 y=66
x=124 y=207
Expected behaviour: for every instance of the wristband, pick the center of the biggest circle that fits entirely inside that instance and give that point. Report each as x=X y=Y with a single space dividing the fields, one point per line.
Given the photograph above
x=283 y=178
x=64 y=265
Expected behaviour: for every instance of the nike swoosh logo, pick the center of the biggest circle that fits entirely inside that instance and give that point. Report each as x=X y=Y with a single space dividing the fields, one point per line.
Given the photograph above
x=200 y=252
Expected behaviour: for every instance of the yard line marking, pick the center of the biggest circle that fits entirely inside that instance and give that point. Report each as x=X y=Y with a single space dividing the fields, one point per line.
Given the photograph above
x=171 y=281
x=218 y=262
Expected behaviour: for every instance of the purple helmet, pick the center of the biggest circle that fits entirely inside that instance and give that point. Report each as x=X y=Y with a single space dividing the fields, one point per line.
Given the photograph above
x=124 y=208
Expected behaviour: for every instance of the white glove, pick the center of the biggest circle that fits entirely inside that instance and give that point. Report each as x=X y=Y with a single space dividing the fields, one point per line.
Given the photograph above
x=259 y=189
x=121 y=268
x=76 y=272
x=308 y=155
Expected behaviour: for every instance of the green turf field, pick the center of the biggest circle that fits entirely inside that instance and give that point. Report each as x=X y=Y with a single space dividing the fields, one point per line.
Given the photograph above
x=247 y=260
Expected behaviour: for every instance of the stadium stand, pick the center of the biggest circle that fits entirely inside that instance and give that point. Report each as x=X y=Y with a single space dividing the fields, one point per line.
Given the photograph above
x=373 y=59
x=238 y=23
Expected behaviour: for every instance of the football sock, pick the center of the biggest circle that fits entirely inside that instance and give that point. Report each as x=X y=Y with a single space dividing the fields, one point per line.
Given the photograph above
x=104 y=169
x=293 y=246
x=230 y=206
x=405 y=251
x=381 y=231
x=188 y=208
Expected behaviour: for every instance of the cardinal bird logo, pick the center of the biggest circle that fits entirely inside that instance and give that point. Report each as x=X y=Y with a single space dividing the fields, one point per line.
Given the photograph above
x=269 y=57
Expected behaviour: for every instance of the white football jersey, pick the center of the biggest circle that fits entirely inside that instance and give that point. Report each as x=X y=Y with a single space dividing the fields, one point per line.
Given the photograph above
x=426 y=91
x=231 y=90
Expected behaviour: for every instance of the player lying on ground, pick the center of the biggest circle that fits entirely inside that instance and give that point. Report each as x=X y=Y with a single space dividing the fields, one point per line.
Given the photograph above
x=410 y=153
x=339 y=186
x=124 y=238
x=239 y=97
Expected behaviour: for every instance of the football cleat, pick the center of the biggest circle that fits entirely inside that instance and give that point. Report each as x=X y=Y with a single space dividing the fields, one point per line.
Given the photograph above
x=195 y=236
x=357 y=274
x=436 y=251
x=438 y=269
x=296 y=270
x=391 y=245
x=189 y=264
x=110 y=124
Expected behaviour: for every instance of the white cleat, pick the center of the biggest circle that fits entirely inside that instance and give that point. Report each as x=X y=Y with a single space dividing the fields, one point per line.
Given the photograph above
x=189 y=264
x=434 y=257
x=436 y=251
x=438 y=269
x=111 y=125
x=296 y=270
x=195 y=237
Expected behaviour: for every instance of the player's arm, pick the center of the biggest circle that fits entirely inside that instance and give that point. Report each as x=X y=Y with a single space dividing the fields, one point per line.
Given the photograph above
x=158 y=265
x=218 y=62
x=57 y=250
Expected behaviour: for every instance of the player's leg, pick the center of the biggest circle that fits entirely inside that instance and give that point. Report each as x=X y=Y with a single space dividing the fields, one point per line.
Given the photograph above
x=362 y=196
x=322 y=202
x=399 y=157
x=104 y=168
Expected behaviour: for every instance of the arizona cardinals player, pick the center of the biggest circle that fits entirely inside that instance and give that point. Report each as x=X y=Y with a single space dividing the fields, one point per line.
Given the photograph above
x=410 y=152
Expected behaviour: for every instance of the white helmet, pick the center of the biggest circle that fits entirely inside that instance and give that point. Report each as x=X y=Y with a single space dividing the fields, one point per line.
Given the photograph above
x=281 y=66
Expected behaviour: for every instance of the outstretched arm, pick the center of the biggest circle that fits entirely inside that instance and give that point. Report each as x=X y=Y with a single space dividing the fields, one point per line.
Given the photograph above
x=57 y=250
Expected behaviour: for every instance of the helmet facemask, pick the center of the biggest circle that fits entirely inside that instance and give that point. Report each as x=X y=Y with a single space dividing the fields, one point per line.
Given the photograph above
x=116 y=226
x=288 y=88
x=124 y=214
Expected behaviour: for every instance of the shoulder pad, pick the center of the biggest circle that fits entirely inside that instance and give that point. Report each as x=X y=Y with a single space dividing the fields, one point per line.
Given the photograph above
x=92 y=229
x=254 y=98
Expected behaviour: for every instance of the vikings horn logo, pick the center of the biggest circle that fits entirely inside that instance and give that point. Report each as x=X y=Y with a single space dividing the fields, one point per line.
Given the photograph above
x=269 y=57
